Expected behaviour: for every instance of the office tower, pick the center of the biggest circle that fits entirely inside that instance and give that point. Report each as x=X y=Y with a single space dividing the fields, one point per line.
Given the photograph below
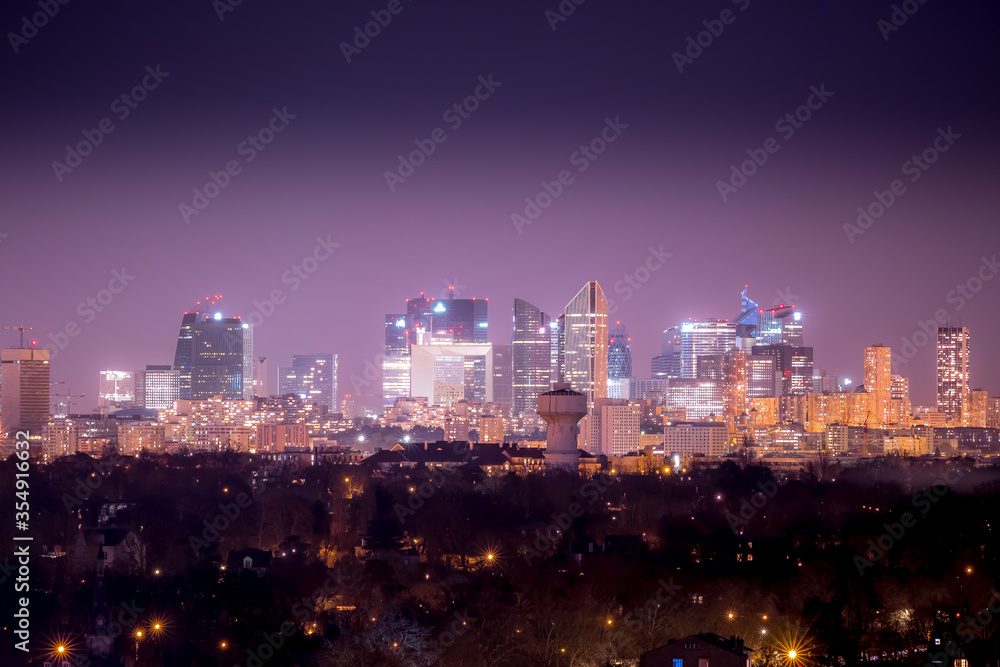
x=619 y=362
x=24 y=390
x=900 y=396
x=878 y=382
x=214 y=357
x=953 y=372
x=746 y=321
x=779 y=326
x=734 y=377
x=703 y=399
x=397 y=335
x=668 y=362
x=116 y=389
x=460 y=320
x=586 y=346
x=794 y=365
x=709 y=367
x=531 y=343
x=993 y=412
x=559 y=355
x=503 y=377
x=708 y=337
x=260 y=378
x=157 y=387
x=619 y=426
x=978 y=408
x=446 y=373
x=762 y=380
x=311 y=376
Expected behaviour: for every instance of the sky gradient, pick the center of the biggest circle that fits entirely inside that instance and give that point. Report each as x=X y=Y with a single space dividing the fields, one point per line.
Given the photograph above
x=449 y=223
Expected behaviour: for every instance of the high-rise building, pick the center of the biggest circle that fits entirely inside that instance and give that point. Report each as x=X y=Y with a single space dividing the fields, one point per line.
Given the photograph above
x=461 y=320
x=214 y=357
x=620 y=378
x=667 y=364
x=311 y=376
x=531 y=343
x=447 y=373
x=734 y=377
x=157 y=387
x=702 y=398
x=586 y=346
x=878 y=382
x=503 y=377
x=762 y=378
x=901 y=408
x=619 y=426
x=953 y=372
x=708 y=337
x=260 y=377
x=24 y=390
x=978 y=408
x=794 y=365
x=116 y=389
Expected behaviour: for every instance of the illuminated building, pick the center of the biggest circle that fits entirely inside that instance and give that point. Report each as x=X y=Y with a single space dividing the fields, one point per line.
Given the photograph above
x=586 y=343
x=708 y=438
x=278 y=437
x=463 y=319
x=993 y=412
x=619 y=353
x=779 y=326
x=531 y=355
x=878 y=383
x=824 y=409
x=116 y=389
x=900 y=397
x=734 y=378
x=668 y=363
x=446 y=373
x=762 y=378
x=24 y=389
x=794 y=365
x=491 y=429
x=260 y=376
x=503 y=377
x=137 y=436
x=763 y=411
x=978 y=408
x=953 y=372
x=311 y=376
x=157 y=387
x=700 y=338
x=859 y=407
x=214 y=356
x=701 y=398
x=619 y=424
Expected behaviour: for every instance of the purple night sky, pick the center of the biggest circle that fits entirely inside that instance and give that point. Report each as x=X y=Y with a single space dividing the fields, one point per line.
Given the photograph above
x=449 y=223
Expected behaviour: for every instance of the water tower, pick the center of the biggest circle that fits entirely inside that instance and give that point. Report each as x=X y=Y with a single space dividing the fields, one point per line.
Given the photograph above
x=562 y=409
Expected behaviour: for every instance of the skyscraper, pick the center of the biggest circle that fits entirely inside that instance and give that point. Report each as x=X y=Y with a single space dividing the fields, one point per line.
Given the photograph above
x=116 y=389
x=312 y=377
x=448 y=372
x=24 y=390
x=900 y=393
x=214 y=356
x=619 y=362
x=878 y=382
x=503 y=378
x=260 y=376
x=157 y=387
x=667 y=364
x=531 y=343
x=793 y=365
x=953 y=372
x=708 y=337
x=586 y=346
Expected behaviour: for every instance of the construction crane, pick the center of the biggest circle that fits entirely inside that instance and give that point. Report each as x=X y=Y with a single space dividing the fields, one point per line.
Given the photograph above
x=864 y=440
x=69 y=396
x=20 y=329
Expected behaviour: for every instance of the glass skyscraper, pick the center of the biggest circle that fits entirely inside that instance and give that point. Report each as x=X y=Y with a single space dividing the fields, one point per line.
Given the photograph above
x=214 y=357
x=708 y=337
x=531 y=341
x=313 y=377
x=586 y=347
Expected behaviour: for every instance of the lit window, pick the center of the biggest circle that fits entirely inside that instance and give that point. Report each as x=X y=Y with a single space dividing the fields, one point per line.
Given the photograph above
x=678 y=662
